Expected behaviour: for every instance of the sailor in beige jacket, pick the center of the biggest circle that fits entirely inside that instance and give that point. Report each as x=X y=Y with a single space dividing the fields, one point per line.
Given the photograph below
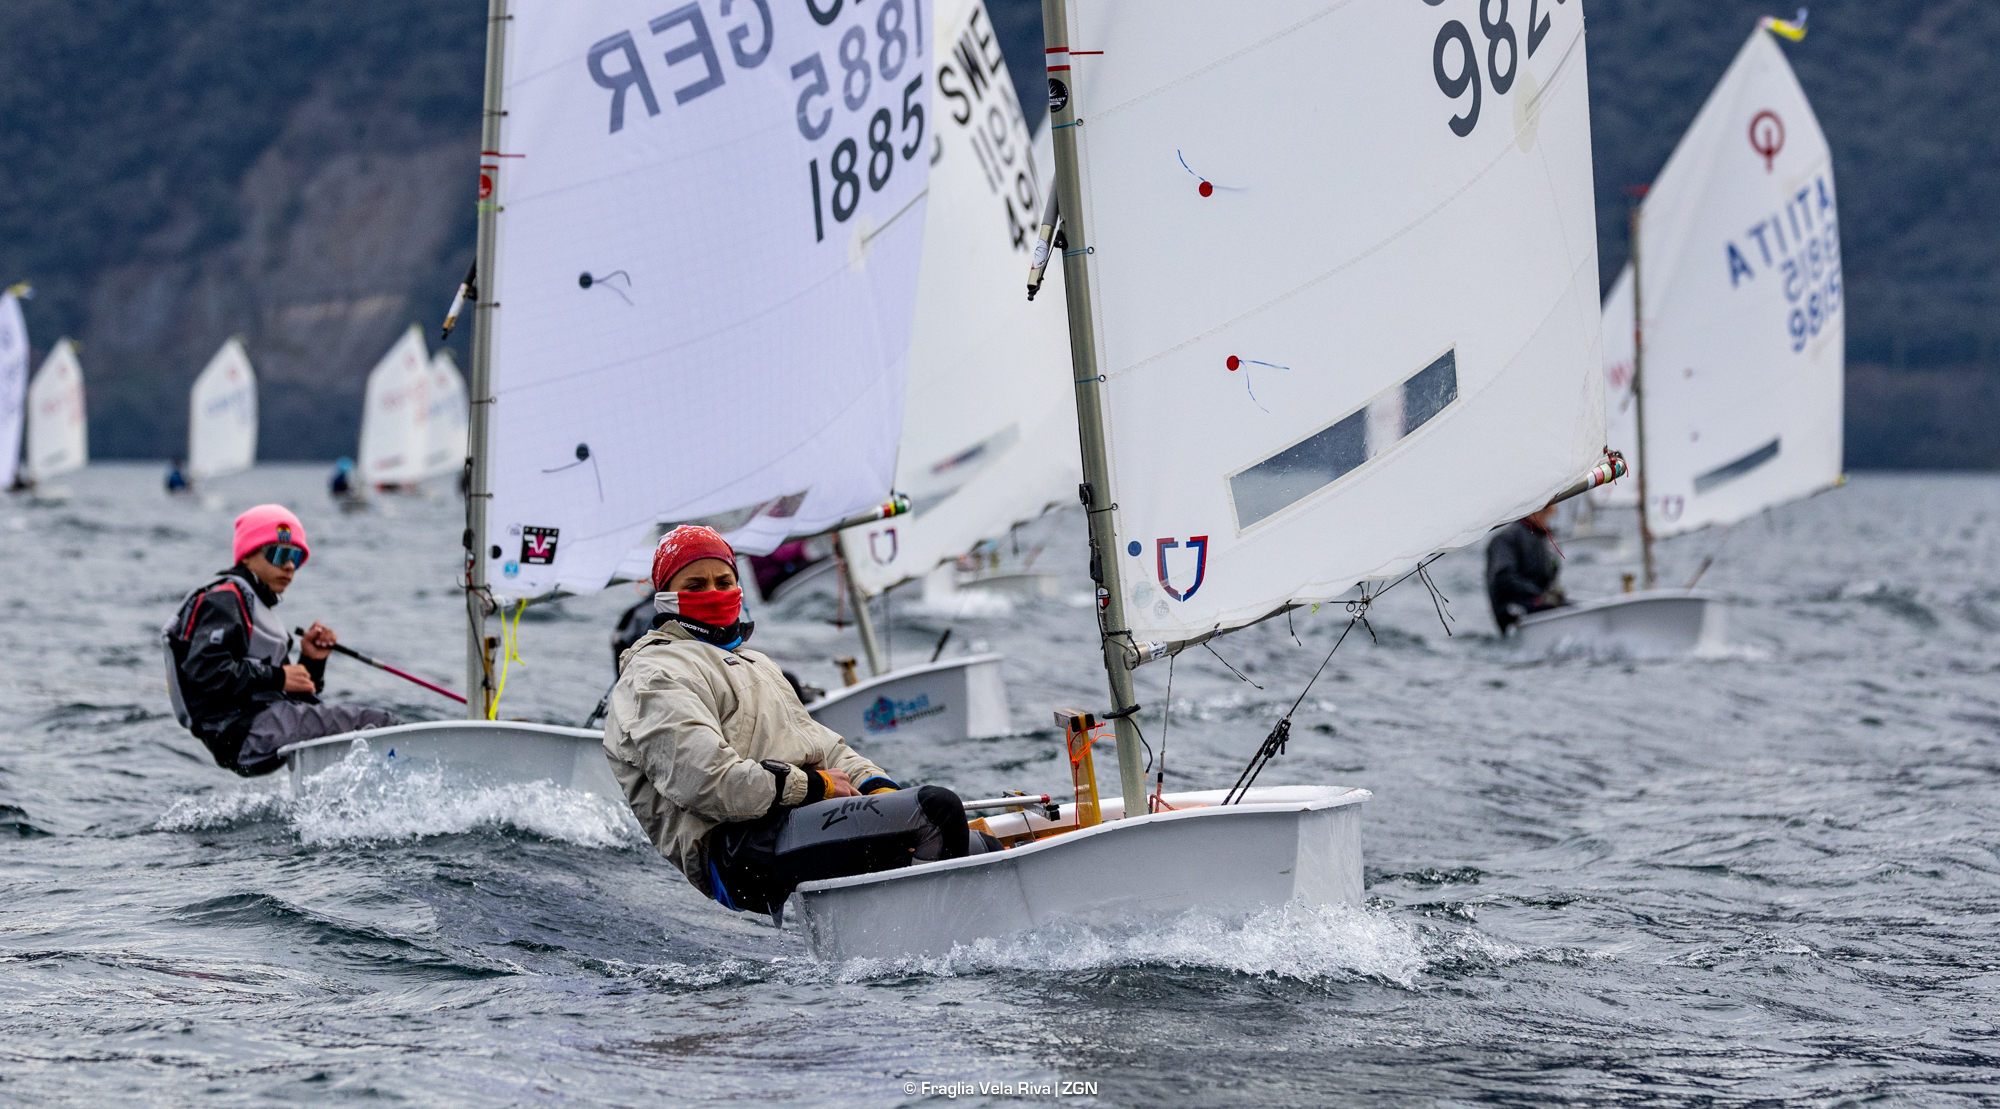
x=726 y=771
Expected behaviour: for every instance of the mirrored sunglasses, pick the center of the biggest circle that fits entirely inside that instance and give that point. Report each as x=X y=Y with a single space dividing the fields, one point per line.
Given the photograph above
x=282 y=555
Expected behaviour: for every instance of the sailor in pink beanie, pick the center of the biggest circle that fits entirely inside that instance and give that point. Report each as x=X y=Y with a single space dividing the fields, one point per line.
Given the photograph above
x=229 y=668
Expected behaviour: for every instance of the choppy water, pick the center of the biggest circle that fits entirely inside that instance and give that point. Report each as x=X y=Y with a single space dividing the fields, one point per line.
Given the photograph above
x=1761 y=878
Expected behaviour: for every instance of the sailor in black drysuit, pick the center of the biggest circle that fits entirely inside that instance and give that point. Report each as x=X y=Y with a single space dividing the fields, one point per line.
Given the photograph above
x=229 y=672
x=1522 y=565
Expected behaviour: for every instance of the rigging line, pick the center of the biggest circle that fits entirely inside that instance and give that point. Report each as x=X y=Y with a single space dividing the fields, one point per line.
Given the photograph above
x=1224 y=662
x=1438 y=600
x=1158 y=801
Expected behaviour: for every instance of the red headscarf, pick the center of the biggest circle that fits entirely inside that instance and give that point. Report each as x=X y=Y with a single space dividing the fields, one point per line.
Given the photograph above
x=686 y=544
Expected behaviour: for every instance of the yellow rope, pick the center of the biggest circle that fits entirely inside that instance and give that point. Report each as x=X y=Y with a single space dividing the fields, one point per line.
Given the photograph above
x=510 y=652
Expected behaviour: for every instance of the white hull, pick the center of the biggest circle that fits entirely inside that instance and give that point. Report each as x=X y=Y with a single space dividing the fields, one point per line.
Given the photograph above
x=488 y=752
x=1287 y=844
x=951 y=699
x=1657 y=624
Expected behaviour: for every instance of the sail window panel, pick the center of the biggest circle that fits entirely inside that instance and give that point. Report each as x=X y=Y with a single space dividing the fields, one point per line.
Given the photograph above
x=1267 y=488
x=1724 y=474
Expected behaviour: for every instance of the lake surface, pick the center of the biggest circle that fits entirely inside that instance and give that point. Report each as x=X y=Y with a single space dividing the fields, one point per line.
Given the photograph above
x=1768 y=876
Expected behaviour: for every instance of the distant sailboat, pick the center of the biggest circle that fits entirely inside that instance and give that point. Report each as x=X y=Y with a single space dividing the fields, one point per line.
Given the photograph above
x=989 y=435
x=1332 y=310
x=1727 y=395
x=13 y=386
x=58 y=433
x=445 y=453
x=222 y=415
x=396 y=417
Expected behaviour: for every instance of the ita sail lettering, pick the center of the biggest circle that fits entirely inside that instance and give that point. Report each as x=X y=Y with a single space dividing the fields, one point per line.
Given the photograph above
x=1798 y=246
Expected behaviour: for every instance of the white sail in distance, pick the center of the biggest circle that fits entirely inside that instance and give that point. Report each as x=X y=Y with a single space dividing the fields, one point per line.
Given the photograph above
x=58 y=433
x=396 y=415
x=989 y=431
x=1621 y=408
x=1744 y=364
x=709 y=225
x=222 y=415
x=13 y=384
x=1344 y=288
x=445 y=453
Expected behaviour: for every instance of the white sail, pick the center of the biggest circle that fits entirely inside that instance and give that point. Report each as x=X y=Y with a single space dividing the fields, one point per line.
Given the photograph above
x=989 y=426
x=222 y=415
x=396 y=415
x=1621 y=410
x=1344 y=277
x=446 y=451
x=1744 y=357
x=58 y=436
x=13 y=384
x=709 y=229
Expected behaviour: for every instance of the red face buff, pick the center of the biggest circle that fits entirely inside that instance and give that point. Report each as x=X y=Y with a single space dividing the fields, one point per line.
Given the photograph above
x=717 y=608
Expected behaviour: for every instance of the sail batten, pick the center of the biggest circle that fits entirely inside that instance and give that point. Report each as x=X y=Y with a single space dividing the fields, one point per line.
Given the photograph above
x=1333 y=341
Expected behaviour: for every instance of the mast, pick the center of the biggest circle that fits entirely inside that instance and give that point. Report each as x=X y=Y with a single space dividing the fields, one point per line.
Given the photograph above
x=1096 y=491
x=863 y=622
x=478 y=670
x=1639 y=395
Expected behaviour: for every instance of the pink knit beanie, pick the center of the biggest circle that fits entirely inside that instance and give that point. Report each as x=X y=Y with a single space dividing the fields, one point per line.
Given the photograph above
x=265 y=524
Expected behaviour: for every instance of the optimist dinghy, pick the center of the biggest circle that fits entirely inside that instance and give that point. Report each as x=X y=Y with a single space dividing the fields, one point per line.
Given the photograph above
x=222 y=415
x=987 y=439
x=619 y=387
x=1332 y=310
x=58 y=434
x=1724 y=348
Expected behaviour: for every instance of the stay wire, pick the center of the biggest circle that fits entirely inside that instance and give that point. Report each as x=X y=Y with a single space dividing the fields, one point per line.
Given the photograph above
x=1232 y=669
x=1281 y=732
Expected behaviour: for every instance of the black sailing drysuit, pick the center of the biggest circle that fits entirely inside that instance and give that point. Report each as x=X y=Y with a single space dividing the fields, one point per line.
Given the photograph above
x=1522 y=566
x=226 y=653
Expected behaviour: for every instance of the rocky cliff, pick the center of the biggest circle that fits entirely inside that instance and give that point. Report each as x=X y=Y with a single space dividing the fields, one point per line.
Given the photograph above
x=176 y=171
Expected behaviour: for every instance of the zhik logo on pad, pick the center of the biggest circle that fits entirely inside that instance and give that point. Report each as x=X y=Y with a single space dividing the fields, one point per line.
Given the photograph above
x=538 y=546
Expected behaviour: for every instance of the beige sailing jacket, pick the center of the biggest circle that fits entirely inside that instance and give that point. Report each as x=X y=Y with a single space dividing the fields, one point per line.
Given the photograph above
x=689 y=726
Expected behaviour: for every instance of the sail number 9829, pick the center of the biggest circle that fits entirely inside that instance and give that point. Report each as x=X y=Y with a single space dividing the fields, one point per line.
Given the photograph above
x=1503 y=56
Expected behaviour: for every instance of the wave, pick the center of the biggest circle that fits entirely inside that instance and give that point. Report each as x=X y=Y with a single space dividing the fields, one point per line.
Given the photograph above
x=1310 y=944
x=364 y=800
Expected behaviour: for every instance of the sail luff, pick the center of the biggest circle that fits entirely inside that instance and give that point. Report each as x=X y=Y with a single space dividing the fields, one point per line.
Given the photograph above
x=1639 y=397
x=478 y=671
x=1097 y=493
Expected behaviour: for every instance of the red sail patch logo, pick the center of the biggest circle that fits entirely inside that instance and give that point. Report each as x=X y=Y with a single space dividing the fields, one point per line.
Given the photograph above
x=1198 y=545
x=538 y=546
